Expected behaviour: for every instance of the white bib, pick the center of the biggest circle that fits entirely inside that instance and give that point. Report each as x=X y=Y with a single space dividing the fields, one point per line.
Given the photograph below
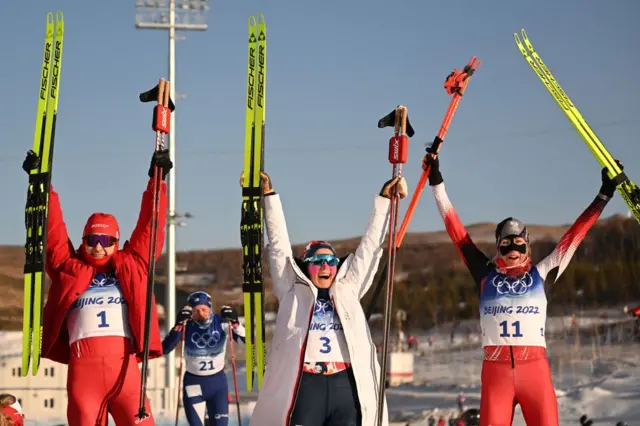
x=326 y=341
x=99 y=311
x=513 y=311
x=205 y=349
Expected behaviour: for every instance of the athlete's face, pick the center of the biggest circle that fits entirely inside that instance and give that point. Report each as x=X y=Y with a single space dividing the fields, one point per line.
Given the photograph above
x=321 y=273
x=99 y=246
x=513 y=251
x=201 y=313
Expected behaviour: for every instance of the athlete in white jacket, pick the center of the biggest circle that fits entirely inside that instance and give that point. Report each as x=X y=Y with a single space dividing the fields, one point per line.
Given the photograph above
x=322 y=368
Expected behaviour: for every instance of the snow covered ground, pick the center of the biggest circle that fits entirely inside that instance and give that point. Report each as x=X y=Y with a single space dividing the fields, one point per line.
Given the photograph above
x=599 y=377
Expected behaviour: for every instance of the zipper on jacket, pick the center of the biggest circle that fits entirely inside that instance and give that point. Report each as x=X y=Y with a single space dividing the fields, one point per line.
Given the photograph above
x=302 y=354
x=78 y=354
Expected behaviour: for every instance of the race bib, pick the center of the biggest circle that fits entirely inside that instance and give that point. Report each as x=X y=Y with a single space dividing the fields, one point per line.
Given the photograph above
x=326 y=341
x=99 y=311
x=513 y=310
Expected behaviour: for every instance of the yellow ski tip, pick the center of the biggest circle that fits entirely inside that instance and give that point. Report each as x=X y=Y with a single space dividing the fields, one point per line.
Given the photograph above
x=252 y=21
x=50 y=18
x=261 y=18
x=59 y=16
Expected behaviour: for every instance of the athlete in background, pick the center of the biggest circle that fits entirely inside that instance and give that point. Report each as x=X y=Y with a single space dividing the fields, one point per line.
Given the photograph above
x=513 y=307
x=94 y=318
x=206 y=337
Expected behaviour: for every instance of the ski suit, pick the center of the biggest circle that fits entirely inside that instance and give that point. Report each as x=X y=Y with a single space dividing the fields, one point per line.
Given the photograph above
x=205 y=382
x=513 y=311
x=94 y=319
x=331 y=337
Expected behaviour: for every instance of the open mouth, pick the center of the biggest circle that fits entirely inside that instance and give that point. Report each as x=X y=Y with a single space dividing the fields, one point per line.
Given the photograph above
x=324 y=275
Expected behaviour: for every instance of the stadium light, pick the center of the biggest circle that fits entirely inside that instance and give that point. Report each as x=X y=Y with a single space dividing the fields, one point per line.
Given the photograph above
x=171 y=15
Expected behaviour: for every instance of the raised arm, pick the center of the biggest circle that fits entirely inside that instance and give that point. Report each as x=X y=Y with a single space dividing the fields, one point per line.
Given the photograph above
x=364 y=263
x=477 y=262
x=279 y=246
x=59 y=248
x=140 y=239
x=568 y=244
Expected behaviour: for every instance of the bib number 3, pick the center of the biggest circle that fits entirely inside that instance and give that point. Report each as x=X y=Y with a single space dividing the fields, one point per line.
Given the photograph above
x=326 y=345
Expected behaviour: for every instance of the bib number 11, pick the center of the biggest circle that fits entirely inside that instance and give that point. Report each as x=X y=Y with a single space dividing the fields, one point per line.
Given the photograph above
x=505 y=329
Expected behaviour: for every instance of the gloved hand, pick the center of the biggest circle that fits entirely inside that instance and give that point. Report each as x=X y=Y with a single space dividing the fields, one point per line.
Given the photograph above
x=432 y=160
x=184 y=315
x=162 y=160
x=608 y=187
x=401 y=185
x=227 y=313
x=31 y=161
x=265 y=181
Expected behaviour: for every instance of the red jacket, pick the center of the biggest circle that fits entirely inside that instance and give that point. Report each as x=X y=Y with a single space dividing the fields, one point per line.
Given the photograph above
x=71 y=275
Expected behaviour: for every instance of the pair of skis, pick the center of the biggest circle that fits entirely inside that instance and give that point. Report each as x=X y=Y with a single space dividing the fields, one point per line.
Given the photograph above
x=251 y=225
x=626 y=187
x=37 y=206
x=455 y=84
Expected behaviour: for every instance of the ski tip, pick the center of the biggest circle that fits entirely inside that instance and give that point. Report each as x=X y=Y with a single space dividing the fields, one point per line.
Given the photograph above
x=252 y=21
x=59 y=16
x=261 y=18
x=50 y=18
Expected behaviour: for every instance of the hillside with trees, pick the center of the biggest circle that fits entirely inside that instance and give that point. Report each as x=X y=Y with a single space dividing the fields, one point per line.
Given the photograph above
x=431 y=284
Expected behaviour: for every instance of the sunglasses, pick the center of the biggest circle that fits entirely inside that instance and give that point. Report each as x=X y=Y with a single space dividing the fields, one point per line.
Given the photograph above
x=320 y=259
x=92 y=240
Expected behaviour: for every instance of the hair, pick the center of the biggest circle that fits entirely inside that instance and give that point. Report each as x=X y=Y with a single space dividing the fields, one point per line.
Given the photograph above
x=7 y=399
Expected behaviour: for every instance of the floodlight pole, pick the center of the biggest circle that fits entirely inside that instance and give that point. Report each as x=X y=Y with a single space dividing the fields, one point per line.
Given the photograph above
x=196 y=8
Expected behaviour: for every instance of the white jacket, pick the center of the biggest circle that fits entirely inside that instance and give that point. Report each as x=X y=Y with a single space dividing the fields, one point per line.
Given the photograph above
x=296 y=295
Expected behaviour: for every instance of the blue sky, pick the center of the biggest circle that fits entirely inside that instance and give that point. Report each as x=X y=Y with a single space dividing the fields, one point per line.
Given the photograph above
x=333 y=69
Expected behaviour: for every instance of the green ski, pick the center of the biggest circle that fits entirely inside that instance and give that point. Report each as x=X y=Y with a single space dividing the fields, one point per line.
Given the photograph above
x=37 y=206
x=251 y=225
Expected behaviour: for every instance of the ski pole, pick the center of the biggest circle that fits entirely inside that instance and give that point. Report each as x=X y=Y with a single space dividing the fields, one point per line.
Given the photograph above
x=235 y=373
x=182 y=337
x=398 y=151
x=161 y=124
x=455 y=84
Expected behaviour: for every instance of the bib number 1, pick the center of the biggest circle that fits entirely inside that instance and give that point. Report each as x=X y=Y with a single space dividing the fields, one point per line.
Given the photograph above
x=103 y=319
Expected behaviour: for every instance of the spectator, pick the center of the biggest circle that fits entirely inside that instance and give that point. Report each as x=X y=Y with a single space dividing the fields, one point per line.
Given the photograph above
x=11 y=410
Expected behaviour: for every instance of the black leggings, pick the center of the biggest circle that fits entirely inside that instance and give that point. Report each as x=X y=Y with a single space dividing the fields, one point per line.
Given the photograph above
x=327 y=400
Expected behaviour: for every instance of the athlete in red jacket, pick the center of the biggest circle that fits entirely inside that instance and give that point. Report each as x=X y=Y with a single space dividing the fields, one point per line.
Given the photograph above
x=513 y=306
x=95 y=310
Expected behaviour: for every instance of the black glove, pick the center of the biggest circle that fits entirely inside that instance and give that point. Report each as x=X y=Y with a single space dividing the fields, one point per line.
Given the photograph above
x=183 y=315
x=432 y=160
x=227 y=313
x=161 y=159
x=608 y=187
x=32 y=161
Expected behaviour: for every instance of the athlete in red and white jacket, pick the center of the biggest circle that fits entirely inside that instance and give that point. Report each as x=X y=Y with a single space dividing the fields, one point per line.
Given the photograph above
x=513 y=307
x=94 y=317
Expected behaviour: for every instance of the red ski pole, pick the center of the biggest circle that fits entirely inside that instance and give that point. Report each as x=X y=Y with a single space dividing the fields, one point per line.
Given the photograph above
x=182 y=337
x=161 y=125
x=235 y=373
x=455 y=84
x=398 y=151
